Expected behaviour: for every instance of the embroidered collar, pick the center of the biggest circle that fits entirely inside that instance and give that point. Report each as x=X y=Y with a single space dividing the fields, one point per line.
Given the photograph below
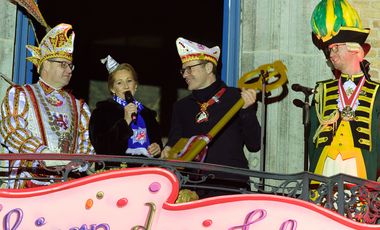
x=355 y=77
x=48 y=89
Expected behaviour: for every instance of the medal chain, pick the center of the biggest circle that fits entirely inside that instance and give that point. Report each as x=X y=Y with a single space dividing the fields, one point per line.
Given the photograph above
x=211 y=101
x=54 y=126
x=353 y=97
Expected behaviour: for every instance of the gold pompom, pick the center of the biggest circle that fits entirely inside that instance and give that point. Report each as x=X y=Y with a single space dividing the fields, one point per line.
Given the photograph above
x=186 y=195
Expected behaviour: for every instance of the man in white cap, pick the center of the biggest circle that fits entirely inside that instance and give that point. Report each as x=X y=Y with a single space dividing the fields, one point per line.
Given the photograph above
x=43 y=117
x=209 y=101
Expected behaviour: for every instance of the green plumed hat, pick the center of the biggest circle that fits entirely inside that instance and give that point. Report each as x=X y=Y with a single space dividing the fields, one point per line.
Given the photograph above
x=336 y=21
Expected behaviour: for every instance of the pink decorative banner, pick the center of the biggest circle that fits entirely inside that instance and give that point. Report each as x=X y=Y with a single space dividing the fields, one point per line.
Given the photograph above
x=143 y=198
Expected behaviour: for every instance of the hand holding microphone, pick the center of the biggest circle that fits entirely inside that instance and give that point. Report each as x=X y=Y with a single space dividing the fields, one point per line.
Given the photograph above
x=130 y=109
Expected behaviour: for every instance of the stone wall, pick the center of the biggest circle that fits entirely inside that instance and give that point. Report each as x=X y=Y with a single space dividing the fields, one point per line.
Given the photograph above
x=7 y=36
x=280 y=30
x=369 y=11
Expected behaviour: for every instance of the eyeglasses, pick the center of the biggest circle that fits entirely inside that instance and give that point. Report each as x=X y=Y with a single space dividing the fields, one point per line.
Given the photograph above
x=64 y=64
x=334 y=48
x=187 y=69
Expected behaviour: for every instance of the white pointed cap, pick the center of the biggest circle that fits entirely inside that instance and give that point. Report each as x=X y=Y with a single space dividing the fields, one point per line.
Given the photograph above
x=110 y=63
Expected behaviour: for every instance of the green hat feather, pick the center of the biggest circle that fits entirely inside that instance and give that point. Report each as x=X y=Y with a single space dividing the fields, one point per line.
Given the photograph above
x=336 y=21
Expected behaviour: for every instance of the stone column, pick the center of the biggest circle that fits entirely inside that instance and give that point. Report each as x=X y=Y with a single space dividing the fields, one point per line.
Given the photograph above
x=8 y=14
x=280 y=30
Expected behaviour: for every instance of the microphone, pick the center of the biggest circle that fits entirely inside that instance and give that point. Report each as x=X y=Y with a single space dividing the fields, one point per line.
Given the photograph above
x=129 y=99
x=304 y=89
x=298 y=103
x=305 y=110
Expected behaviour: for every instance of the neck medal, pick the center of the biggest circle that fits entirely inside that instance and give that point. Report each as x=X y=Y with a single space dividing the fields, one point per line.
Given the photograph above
x=203 y=115
x=348 y=97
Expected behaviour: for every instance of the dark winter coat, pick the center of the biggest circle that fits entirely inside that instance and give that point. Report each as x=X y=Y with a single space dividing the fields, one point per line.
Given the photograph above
x=109 y=132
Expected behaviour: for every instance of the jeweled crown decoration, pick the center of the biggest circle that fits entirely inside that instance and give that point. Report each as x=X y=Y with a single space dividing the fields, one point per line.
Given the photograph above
x=190 y=51
x=55 y=44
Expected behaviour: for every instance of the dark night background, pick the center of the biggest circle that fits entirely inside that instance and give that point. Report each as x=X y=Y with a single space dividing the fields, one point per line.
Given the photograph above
x=142 y=33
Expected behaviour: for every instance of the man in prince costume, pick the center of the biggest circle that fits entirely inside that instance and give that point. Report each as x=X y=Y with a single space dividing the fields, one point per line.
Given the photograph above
x=345 y=111
x=43 y=117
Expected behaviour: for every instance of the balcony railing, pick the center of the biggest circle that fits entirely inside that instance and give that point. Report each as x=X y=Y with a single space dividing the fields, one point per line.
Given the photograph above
x=354 y=198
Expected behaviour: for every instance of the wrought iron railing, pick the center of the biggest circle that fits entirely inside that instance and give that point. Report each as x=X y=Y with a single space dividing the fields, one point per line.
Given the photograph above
x=354 y=198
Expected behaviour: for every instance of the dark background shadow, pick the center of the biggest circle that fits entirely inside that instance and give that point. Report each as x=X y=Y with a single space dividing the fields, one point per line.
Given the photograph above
x=142 y=33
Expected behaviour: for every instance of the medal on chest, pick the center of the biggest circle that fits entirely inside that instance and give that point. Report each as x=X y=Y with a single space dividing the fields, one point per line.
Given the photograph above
x=55 y=99
x=348 y=114
x=203 y=115
x=348 y=97
x=64 y=142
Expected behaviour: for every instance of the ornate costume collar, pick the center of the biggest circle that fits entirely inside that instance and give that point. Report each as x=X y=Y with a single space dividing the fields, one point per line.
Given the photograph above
x=47 y=88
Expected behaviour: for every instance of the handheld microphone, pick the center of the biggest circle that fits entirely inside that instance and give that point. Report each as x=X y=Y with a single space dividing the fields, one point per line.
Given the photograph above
x=304 y=89
x=129 y=99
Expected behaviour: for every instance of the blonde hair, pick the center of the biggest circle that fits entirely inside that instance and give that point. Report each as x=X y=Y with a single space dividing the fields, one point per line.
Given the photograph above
x=123 y=66
x=355 y=47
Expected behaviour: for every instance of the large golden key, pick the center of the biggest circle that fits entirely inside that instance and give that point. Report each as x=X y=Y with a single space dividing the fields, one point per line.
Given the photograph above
x=274 y=75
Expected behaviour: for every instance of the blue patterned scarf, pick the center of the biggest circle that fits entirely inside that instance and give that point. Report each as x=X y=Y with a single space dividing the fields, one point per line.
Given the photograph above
x=138 y=143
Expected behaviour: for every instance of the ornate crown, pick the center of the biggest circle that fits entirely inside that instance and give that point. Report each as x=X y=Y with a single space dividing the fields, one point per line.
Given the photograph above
x=55 y=44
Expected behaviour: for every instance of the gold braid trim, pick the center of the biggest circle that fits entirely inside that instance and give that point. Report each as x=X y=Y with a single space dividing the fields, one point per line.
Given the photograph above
x=372 y=103
x=30 y=145
x=324 y=122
